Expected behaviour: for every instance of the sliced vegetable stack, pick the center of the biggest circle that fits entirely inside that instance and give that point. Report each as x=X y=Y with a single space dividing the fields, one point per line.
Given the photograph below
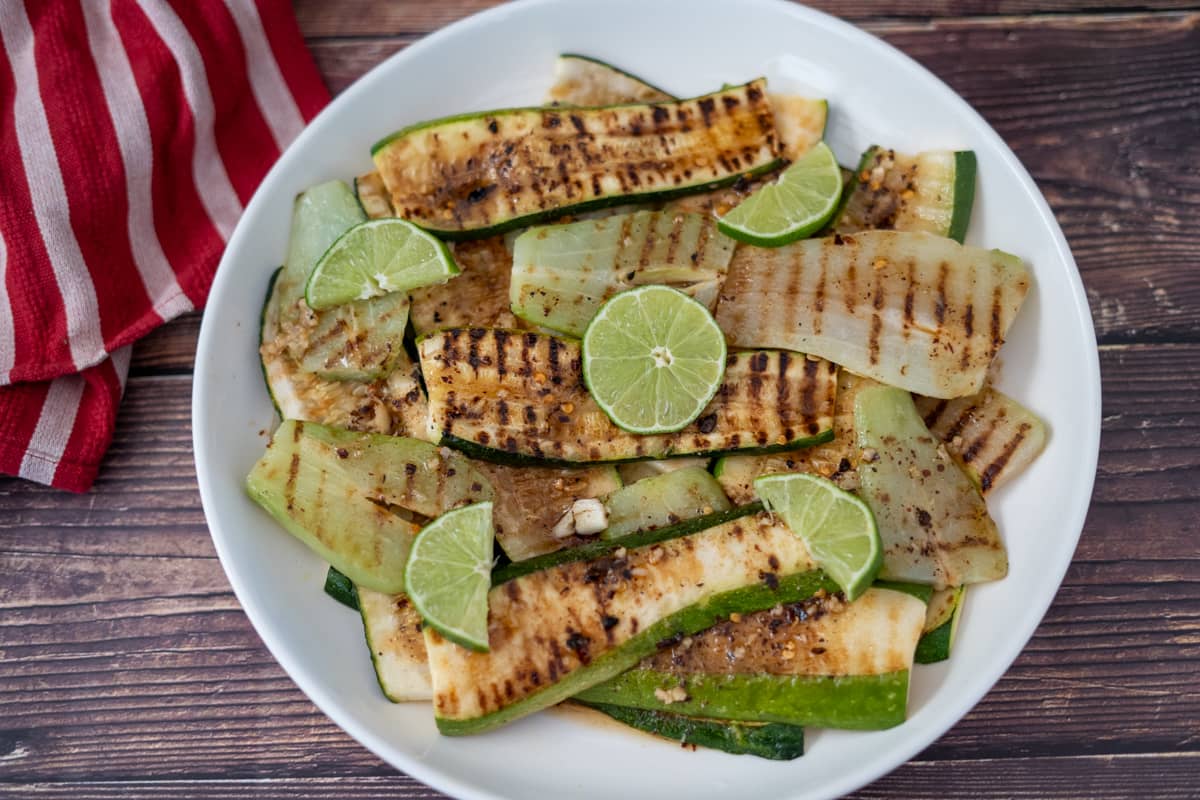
x=535 y=327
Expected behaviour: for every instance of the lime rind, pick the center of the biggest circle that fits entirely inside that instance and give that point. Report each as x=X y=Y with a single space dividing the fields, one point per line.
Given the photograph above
x=448 y=574
x=837 y=527
x=653 y=358
x=798 y=204
x=375 y=258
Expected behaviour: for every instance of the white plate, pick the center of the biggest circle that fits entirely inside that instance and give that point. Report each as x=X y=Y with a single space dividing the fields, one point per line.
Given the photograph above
x=504 y=57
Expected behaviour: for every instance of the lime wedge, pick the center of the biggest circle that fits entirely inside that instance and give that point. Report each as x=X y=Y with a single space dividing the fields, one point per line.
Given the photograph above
x=377 y=257
x=837 y=528
x=797 y=205
x=652 y=359
x=449 y=573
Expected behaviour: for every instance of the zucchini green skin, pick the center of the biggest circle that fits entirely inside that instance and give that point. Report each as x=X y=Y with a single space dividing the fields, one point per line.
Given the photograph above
x=774 y=740
x=663 y=500
x=965 y=168
x=476 y=450
x=519 y=397
x=689 y=620
x=603 y=547
x=392 y=628
x=853 y=702
x=341 y=588
x=265 y=320
x=480 y=174
x=907 y=186
x=935 y=645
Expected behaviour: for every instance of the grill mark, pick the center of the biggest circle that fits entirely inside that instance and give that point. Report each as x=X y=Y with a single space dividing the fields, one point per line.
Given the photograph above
x=959 y=423
x=553 y=366
x=647 y=248
x=707 y=108
x=851 y=287
x=289 y=488
x=988 y=476
x=809 y=389
x=759 y=362
x=978 y=444
x=997 y=340
x=939 y=308
x=876 y=320
x=530 y=414
x=909 y=296
x=818 y=319
x=702 y=242
x=969 y=329
x=502 y=411
x=933 y=416
x=783 y=386
x=336 y=332
x=528 y=342
x=674 y=238
x=500 y=338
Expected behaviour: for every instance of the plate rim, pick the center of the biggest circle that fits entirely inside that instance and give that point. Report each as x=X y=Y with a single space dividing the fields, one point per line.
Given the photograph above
x=450 y=783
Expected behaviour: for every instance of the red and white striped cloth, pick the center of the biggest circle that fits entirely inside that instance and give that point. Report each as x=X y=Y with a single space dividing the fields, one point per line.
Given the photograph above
x=132 y=133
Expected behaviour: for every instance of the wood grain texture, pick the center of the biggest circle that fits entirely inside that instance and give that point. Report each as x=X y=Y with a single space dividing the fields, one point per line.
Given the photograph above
x=1164 y=777
x=321 y=19
x=128 y=670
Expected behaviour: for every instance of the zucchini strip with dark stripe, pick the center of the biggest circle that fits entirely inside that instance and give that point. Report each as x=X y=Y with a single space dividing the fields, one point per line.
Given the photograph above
x=993 y=436
x=519 y=397
x=819 y=662
x=477 y=174
x=556 y=632
x=912 y=310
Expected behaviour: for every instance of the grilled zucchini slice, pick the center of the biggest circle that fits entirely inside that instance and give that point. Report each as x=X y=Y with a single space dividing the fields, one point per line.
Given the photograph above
x=479 y=174
x=344 y=366
x=818 y=662
x=562 y=274
x=663 y=500
x=335 y=489
x=584 y=81
x=772 y=740
x=933 y=522
x=913 y=310
x=835 y=459
x=519 y=398
x=556 y=632
x=932 y=191
x=393 y=630
x=530 y=500
x=993 y=436
x=941 y=624
x=373 y=196
x=477 y=296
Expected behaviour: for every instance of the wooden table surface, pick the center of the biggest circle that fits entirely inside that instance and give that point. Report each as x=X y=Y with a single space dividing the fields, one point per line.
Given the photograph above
x=128 y=670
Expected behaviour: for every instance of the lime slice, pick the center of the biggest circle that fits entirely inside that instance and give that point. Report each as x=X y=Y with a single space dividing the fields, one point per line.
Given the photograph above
x=449 y=573
x=652 y=359
x=797 y=205
x=377 y=257
x=837 y=528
